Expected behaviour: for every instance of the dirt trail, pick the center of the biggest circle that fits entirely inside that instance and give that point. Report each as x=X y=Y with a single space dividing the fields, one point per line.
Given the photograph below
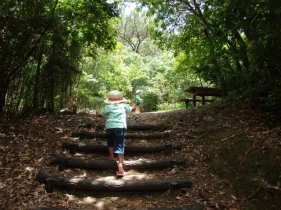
x=27 y=147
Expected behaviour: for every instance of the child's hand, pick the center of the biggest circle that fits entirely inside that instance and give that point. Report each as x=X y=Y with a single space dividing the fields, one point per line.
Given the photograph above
x=98 y=114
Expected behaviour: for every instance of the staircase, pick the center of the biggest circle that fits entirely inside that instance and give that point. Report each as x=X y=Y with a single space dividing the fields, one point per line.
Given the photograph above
x=152 y=163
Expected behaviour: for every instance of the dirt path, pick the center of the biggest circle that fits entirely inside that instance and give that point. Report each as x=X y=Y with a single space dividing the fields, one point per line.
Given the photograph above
x=27 y=147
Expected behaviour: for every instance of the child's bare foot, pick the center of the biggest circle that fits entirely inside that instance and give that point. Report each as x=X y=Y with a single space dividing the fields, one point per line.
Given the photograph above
x=110 y=158
x=119 y=174
x=120 y=171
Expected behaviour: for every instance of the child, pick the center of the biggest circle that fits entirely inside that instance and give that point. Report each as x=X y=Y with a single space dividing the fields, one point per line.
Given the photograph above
x=138 y=100
x=115 y=125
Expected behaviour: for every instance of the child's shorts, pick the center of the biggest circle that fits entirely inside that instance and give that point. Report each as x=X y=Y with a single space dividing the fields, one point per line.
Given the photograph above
x=116 y=139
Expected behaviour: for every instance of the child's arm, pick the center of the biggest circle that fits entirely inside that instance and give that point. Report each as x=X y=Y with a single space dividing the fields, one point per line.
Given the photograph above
x=134 y=106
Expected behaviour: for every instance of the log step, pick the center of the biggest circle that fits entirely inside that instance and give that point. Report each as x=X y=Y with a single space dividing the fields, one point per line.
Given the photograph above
x=143 y=127
x=191 y=207
x=86 y=147
x=91 y=135
x=106 y=164
x=146 y=127
x=50 y=208
x=118 y=185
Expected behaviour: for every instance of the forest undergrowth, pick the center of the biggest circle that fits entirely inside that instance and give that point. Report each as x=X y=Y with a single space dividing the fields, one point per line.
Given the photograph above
x=245 y=151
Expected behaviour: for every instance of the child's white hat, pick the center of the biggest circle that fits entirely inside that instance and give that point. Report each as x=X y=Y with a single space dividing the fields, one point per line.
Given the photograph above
x=114 y=97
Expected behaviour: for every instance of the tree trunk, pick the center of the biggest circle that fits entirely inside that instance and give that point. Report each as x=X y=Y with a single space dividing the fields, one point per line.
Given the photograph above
x=52 y=95
x=91 y=135
x=106 y=164
x=51 y=181
x=3 y=92
x=36 y=85
x=84 y=147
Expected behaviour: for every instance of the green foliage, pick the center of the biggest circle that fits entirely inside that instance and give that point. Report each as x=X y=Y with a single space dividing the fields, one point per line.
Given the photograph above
x=170 y=106
x=63 y=59
x=234 y=45
x=41 y=46
x=56 y=52
x=118 y=69
x=150 y=102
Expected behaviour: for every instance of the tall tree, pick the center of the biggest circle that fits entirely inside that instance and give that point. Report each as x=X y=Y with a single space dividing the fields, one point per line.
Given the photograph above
x=133 y=30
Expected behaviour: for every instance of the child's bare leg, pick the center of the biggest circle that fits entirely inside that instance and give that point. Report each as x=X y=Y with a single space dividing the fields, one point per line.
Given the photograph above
x=111 y=153
x=120 y=163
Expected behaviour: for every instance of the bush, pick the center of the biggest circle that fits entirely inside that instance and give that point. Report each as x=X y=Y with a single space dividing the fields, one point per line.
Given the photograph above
x=150 y=102
x=171 y=106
